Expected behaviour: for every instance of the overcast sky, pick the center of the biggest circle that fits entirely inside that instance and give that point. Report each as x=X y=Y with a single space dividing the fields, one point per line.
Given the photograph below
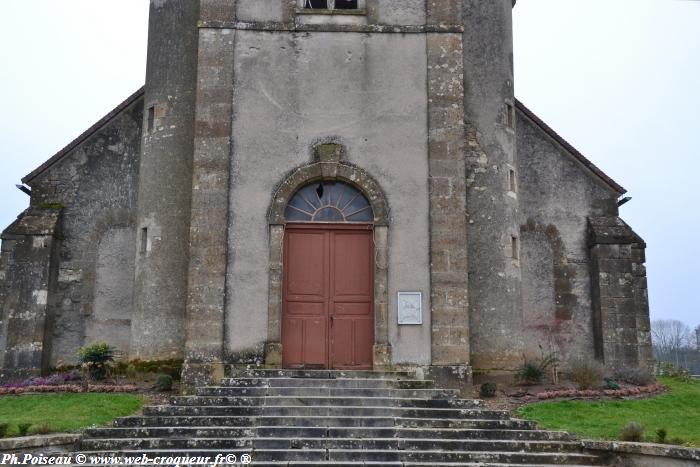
x=617 y=78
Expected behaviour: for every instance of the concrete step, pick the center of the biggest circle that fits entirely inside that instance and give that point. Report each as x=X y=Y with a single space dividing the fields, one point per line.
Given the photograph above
x=326 y=432
x=338 y=411
x=323 y=401
x=368 y=463
x=292 y=391
x=317 y=374
x=431 y=457
x=329 y=383
x=322 y=421
x=362 y=444
x=321 y=417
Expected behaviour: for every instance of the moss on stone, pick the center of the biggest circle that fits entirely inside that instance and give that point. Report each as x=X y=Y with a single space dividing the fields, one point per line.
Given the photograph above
x=54 y=206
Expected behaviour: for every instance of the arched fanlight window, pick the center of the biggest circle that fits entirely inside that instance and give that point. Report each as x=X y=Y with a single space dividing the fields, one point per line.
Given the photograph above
x=329 y=202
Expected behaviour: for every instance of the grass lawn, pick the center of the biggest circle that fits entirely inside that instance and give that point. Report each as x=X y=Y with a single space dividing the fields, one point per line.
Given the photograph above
x=678 y=412
x=65 y=412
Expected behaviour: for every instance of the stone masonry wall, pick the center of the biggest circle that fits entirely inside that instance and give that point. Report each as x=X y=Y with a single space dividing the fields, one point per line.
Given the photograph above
x=95 y=184
x=28 y=246
x=557 y=194
x=619 y=295
x=206 y=299
x=448 y=217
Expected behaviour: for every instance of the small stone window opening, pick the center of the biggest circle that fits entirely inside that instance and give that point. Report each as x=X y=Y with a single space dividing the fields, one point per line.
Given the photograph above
x=510 y=115
x=512 y=184
x=331 y=4
x=143 y=247
x=515 y=247
x=151 y=118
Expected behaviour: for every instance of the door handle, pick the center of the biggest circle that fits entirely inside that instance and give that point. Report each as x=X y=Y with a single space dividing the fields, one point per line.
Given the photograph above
x=332 y=320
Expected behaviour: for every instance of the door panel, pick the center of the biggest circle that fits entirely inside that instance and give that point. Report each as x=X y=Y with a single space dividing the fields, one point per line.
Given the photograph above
x=352 y=264
x=342 y=341
x=306 y=264
x=328 y=311
x=305 y=320
x=352 y=290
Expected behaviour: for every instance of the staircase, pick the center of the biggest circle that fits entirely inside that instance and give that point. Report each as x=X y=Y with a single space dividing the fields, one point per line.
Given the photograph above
x=322 y=418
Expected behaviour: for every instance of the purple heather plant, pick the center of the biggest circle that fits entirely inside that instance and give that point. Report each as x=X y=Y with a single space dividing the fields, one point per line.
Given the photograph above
x=52 y=380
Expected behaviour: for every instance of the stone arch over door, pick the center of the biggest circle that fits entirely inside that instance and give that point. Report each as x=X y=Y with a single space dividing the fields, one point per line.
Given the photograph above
x=328 y=167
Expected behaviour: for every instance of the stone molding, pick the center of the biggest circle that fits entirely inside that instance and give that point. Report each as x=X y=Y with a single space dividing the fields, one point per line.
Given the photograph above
x=328 y=170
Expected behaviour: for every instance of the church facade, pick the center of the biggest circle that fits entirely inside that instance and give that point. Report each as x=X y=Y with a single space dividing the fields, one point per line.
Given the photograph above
x=345 y=184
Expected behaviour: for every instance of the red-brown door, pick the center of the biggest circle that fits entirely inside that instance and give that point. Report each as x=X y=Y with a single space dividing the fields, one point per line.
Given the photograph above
x=328 y=312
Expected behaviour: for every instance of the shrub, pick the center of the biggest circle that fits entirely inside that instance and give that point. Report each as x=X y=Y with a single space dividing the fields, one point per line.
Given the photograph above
x=661 y=435
x=529 y=373
x=677 y=372
x=3 y=429
x=131 y=371
x=23 y=428
x=488 y=389
x=532 y=372
x=633 y=431
x=611 y=384
x=164 y=383
x=96 y=358
x=587 y=374
x=636 y=376
x=169 y=367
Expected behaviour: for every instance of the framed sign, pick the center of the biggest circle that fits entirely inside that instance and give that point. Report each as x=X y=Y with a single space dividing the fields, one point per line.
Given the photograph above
x=410 y=307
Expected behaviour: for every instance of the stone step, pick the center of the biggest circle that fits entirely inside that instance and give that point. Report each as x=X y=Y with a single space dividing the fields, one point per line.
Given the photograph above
x=399 y=464
x=247 y=391
x=326 y=432
x=317 y=374
x=431 y=457
x=322 y=421
x=363 y=383
x=322 y=401
x=363 y=444
x=368 y=463
x=304 y=411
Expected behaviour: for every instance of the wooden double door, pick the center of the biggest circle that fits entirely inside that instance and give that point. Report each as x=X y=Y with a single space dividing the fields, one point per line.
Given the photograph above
x=328 y=304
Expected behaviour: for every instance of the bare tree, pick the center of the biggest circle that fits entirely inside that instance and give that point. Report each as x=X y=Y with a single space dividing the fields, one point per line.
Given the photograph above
x=697 y=338
x=670 y=338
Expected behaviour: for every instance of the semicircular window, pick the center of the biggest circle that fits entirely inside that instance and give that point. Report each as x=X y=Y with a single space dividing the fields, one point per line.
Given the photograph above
x=329 y=202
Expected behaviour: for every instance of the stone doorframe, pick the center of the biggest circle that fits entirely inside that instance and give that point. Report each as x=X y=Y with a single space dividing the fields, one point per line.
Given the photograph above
x=328 y=166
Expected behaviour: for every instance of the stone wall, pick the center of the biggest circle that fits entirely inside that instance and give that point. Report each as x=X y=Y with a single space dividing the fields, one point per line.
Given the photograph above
x=557 y=194
x=206 y=301
x=164 y=196
x=28 y=247
x=494 y=272
x=93 y=183
x=620 y=303
x=364 y=91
